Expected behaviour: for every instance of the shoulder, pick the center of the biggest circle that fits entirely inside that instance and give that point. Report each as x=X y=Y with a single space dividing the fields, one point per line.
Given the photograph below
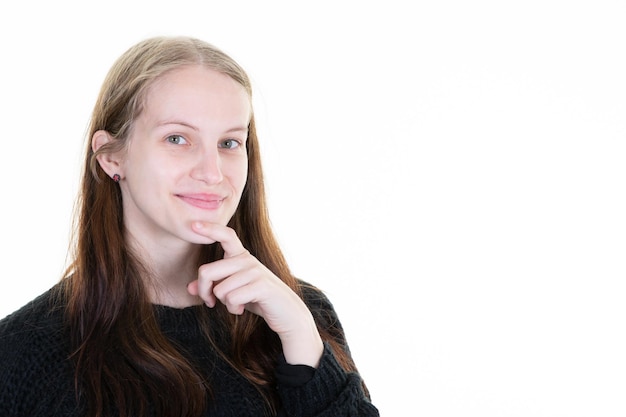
x=35 y=328
x=38 y=318
x=315 y=298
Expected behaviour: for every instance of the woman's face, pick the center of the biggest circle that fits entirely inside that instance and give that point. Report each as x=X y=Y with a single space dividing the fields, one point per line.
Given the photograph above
x=186 y=158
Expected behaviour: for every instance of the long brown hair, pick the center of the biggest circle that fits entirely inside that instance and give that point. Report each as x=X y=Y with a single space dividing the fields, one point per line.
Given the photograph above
x=123 y=361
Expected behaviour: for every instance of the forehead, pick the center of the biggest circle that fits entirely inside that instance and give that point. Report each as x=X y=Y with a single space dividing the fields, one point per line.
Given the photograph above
x=197 y=91
x=194 y=77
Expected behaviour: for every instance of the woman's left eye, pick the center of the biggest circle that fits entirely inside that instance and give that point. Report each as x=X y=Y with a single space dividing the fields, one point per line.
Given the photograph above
x=176 y=139
x=229 y=144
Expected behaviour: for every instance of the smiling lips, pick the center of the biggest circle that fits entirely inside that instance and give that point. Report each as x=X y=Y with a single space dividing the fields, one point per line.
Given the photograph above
x=203 y=201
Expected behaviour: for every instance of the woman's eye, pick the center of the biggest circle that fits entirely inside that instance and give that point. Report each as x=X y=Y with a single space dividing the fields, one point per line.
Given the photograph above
x=230 y=144
x=176 y=139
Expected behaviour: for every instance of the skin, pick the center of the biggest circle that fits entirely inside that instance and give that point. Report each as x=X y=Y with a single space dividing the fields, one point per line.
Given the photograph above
x=182 y=175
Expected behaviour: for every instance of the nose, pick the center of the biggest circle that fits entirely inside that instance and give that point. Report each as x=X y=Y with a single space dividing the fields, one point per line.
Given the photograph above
x=208 y=167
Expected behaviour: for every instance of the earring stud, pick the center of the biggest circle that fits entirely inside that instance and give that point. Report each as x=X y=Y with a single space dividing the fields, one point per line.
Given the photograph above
x=116 y=177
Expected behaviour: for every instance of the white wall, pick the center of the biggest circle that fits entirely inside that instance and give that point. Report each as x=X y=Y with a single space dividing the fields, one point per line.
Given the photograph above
x=451 y=173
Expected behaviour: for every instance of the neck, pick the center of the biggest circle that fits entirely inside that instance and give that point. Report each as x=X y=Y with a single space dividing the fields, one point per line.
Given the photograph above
x=171 y=268
x=168 y=286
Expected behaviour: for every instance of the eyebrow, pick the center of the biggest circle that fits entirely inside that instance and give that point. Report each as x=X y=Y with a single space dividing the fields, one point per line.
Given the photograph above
x=181 y=123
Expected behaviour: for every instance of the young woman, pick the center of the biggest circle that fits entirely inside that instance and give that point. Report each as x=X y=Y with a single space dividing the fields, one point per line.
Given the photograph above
x=178 y=301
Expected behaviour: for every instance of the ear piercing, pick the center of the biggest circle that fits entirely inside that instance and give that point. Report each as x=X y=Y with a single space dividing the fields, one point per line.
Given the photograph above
x=116 y=177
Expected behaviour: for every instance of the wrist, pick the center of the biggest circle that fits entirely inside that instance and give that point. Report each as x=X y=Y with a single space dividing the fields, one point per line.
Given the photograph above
x=304 y=348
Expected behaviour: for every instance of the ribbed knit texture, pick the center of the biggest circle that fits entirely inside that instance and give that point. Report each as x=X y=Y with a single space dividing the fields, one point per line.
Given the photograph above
x=37 y=379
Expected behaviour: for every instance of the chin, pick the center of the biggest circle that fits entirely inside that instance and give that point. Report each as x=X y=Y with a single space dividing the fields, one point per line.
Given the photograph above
x=198 y=240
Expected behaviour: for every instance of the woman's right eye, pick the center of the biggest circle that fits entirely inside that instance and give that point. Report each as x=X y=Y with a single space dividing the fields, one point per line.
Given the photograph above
x=176 y=139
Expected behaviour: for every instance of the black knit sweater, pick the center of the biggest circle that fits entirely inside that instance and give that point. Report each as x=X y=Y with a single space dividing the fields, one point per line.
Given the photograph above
x=37 y=379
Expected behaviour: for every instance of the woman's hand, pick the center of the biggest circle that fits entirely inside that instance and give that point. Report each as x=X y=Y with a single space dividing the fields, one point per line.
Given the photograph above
x=241 y=282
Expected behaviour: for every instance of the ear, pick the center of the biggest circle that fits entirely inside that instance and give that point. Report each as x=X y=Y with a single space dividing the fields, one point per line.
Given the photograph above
x=110 y=162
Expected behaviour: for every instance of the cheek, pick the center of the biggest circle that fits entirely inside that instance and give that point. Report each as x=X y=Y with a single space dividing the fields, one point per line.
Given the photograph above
x=151 y=170
x=243 y=176
x=238 y=173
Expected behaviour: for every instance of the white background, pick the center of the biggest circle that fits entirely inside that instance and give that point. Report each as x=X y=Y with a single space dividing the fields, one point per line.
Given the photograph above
x=450 y=172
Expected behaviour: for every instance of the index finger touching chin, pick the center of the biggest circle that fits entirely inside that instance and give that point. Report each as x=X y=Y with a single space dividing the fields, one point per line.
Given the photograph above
x=225 y=235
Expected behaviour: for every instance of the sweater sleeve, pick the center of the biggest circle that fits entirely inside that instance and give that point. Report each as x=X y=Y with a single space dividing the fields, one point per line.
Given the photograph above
x=330 y=391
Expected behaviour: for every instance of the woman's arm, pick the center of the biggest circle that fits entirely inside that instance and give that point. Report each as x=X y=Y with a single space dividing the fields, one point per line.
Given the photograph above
x=328 y=390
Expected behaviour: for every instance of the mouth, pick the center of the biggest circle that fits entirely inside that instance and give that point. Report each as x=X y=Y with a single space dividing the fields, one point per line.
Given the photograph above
x=202 y=201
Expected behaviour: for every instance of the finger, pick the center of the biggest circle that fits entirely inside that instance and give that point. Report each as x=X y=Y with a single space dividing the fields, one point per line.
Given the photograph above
x=223 y=289
x=225 y=235
x=203 y=288
x=221 y=269
x=238 y=293
x=193 y=289
x=213 y=273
